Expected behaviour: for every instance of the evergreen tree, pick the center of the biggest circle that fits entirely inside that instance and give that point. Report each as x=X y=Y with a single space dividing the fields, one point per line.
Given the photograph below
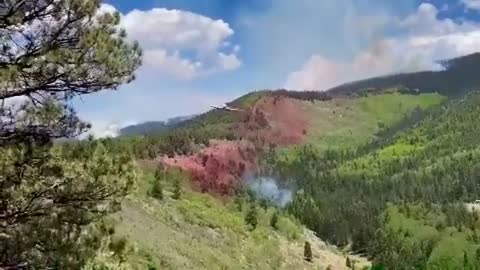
x=465 y=260
x=53 y=50
x=348 y=263
x=307 y=252
x=238 y=203
x=274 y=221
x=477 y=256
x=157 y=188
x=264 y=204
x=251 y=216
x=177 y=189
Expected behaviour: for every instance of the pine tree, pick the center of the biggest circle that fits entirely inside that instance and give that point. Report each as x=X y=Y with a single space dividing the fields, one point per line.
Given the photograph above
x=307 y=252
x=264 y=204
x=157 y=188
x=238 y=203
x=52 y=51
x=348 y=263
x=465 y=259
x=251 y=216
x=477 y=256
x=274 y=221
x=177 y=189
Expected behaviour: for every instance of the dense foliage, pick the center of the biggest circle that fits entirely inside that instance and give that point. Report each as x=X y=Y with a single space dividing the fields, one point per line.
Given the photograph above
x=344 y=195
x=50 y=197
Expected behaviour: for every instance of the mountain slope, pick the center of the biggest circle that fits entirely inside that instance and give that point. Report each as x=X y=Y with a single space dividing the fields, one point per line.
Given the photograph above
x=384 y=172
x=409 y=193
x=458 y=77
x=198 y=231
x=153 y=126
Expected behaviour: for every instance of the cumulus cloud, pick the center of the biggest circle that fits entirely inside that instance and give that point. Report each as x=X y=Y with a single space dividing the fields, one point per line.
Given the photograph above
x=179 y=43
x=472 y=4
x=423 y=39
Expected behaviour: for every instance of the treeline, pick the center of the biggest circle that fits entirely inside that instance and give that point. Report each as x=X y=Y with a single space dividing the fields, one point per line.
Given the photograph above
x=185 y=138
x=343 y=195
x=303 y=95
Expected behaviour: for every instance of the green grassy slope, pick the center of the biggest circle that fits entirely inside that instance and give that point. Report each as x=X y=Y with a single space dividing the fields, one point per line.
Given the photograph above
x=353 y=121
x=198 y=231
x=350 y=122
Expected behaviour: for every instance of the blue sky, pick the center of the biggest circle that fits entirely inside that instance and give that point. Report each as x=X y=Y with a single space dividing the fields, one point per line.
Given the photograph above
x=206 y=52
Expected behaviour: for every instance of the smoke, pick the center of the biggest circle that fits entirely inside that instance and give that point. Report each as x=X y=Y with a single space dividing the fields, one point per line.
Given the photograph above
x=267 y=188
x=349 y=40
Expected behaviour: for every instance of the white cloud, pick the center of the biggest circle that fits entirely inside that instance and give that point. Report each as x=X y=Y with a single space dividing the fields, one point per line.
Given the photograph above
x=236 y=48
x=423 y=40
x=472 y=4
x=179 y=46
x=229 y=61
x=159 y=60
x=179 y=43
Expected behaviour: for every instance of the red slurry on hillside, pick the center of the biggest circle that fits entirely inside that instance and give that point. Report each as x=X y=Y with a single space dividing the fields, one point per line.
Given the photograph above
x=273 y=120
x=219 y=167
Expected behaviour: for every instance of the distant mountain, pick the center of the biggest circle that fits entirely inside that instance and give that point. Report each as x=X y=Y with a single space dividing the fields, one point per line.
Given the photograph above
x=153 y=126
x=178 y=119
x=459 y=76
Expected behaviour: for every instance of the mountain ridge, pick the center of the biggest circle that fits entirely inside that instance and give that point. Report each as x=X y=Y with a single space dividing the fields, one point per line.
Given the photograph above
x=357 y=161
x=150 y=127
x=457 y=78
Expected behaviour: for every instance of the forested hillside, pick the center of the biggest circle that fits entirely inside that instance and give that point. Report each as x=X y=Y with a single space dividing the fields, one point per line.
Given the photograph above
x=337 y=132
x=153 y=126
x=382 y=173
x=400 y=200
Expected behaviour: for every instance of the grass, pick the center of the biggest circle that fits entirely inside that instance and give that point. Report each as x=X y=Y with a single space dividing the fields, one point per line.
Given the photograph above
x=347 y=122
x=248 y=100
x=354 y=121
x=199 y=231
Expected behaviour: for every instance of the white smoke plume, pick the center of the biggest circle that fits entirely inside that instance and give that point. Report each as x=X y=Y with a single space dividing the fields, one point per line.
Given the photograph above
x=268 y=188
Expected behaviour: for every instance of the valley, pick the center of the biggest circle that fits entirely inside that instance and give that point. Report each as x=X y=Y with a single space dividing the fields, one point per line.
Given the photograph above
x=379 y=172
x=383 y=174
x=261 y=141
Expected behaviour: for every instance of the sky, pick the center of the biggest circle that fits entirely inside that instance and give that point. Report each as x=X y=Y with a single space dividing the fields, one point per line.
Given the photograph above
x=199 y=53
